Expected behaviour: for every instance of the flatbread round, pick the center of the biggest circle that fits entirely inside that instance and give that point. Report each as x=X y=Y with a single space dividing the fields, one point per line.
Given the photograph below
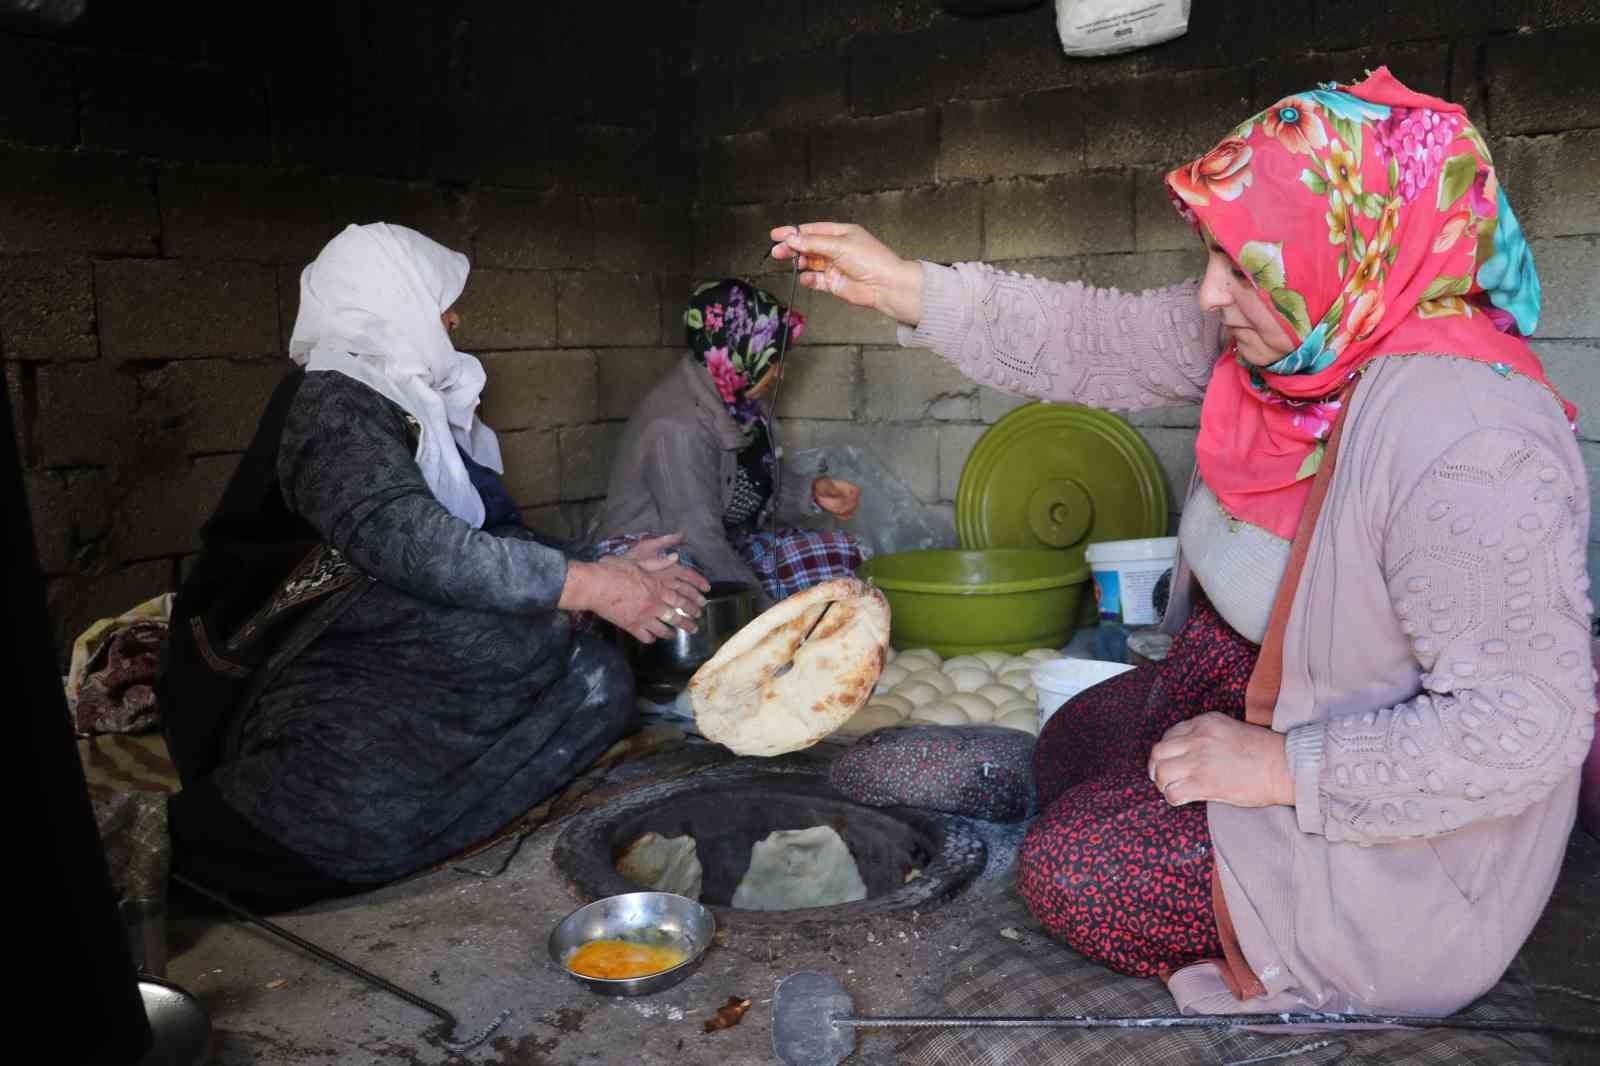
x=796 y=673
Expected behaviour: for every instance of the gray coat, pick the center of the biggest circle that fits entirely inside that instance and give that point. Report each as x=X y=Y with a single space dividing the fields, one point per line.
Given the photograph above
x=675 y=471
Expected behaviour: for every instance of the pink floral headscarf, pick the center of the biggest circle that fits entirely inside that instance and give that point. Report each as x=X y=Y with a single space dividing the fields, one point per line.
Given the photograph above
x=1372 y=223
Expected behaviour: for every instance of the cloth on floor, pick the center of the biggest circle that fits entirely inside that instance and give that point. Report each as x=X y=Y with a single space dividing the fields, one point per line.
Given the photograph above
x=111 y=678
x=126 y=762
x=1034 y=975
x=979 y=771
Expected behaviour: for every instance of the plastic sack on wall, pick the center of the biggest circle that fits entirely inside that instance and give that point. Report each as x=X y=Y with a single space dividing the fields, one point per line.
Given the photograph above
x=891 y=518
x=1106 y=27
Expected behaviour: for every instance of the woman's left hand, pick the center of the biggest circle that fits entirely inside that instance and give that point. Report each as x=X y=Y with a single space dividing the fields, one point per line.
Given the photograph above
x=838 y=498
x=1215 y=757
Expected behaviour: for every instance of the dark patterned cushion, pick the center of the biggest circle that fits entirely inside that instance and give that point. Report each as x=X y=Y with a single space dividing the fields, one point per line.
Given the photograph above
x=980 y=771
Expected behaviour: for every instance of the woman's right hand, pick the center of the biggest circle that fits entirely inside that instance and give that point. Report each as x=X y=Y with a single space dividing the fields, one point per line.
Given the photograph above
x=648 y=600
x=843 y=259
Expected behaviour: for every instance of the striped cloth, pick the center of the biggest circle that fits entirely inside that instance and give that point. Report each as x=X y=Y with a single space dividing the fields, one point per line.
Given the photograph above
x=786 y=561
x=1037 y=976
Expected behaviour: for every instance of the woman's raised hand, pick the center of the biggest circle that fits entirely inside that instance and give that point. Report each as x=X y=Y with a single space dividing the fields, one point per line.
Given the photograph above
x=843 y=259
x=645 y=591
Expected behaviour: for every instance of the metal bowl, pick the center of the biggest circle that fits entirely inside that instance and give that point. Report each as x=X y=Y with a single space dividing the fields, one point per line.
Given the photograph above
x=628 y=916
x=665 y=667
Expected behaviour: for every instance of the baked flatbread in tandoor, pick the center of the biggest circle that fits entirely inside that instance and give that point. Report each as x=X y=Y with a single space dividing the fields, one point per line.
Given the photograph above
x=796 y=673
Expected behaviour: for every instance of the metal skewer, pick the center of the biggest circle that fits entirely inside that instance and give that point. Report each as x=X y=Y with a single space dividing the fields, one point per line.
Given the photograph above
x=448 y=1020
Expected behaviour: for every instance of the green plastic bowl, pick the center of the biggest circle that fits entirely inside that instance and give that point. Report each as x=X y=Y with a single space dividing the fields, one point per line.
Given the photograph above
x=955 y=602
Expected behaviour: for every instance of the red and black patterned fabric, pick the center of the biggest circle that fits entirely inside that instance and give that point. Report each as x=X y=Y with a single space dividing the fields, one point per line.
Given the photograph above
x=1109 y=867
x=786 y=561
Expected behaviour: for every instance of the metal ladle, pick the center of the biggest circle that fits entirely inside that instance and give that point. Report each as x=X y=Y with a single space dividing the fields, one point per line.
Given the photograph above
x=448 y=1020
x=813 y=1022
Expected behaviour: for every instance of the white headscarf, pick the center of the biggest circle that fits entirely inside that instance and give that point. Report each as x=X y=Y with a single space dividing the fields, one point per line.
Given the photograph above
x=369 y=309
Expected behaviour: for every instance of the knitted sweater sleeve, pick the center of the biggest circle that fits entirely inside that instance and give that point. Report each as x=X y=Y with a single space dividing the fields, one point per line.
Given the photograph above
x=1066 y=341
x=1485 y=565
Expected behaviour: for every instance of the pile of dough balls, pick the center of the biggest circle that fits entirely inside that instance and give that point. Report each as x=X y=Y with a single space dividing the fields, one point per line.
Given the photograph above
x=918 y=687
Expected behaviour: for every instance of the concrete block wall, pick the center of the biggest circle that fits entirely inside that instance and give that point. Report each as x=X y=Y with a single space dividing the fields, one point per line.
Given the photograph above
x=163 y=180
x=977 y=139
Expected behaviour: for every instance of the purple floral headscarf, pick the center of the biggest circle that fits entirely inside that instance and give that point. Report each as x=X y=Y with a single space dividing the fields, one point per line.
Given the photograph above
x=734 y=330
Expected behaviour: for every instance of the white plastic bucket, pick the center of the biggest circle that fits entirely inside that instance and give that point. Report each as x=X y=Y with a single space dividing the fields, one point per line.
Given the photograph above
x=1055 y=681
x=1125 y=576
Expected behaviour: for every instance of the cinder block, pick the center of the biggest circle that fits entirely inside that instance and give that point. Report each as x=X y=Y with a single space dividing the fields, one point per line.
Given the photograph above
x=60 y=202
x=243 y=213
x=1022 y=54
x=1174 y=450
x=507 y=309
x=1545 y=82
x=1067 y=268
x=83 y=414
x=1161 y=120
x=626 y=376
x=903 y=384
x=288 y=279
x=1067 y=215
x=1348 y=23
x=830 y=320
x=533 y=466
x=1551 y=181
x=734 y=240
x=645 y=238
x=549 y=520
x=897 y=73
x=793 y=91
x=1469 y=83
x=363 y=110
x=441 y=214
x=833 y=21
x=153 y=107
x=1143 y=270
x=886 y=152
x=1569 y=269
x=911 y=452
x=170 y=309
x=20 y=391
x=993 y=405
x=211 y=405
x=160 y=513
x=1041 y=133
x=586 y=456
x=753 y=28
x=1574 y=368
x=530 y=230
x=69 y=511
x=1157 y=226
x=819 y=382
x=536 y=390
x=673 y=292
x=47 y=308
x=38 y=103
x=1591 y=464
x=941 y=224
x=1186 y=416
x=1423 y=67
x=606 y=310
x=604 y=160
x=955 y=444
x=745 y=167
x=77 y=601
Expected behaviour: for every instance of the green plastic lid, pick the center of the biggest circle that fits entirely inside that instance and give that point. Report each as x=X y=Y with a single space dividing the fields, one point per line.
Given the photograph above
x=1058 y=475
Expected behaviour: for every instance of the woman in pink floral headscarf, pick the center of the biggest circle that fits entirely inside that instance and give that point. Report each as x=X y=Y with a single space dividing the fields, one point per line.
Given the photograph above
x=1350 y=784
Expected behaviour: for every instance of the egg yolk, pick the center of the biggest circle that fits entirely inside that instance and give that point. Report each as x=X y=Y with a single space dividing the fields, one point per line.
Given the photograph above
x=617 y=960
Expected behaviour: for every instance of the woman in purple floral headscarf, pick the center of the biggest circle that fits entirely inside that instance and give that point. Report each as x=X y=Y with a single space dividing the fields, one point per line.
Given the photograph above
x=698 y=456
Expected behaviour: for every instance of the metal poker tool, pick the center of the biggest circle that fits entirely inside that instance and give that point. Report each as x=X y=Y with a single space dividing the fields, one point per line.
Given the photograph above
x=448 y=1021
x=814 y=1022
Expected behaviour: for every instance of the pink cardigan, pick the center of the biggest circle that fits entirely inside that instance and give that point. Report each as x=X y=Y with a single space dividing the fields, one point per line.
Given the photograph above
x=1438 y=695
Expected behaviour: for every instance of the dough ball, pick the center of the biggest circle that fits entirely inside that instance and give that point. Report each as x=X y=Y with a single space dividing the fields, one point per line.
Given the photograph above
x=889 y=654
x=891 y=676
x=969 y=678
x=898 y=704
x=965 y=660
x=992 y=659
x=978 y=709
x=1017 y=679
x=997 y=693
x=1042 y=655
x=1018 y=706
x=927 y=655
x=917 y=693
x=941 y=713
x=872 y=717
x=937 y=678
x=1027 y=721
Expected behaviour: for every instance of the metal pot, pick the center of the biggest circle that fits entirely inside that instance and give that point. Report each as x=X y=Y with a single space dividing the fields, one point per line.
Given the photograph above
x=662 y=669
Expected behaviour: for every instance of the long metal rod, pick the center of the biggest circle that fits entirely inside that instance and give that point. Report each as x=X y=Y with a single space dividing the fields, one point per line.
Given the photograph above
x=351 y=968
x=1228 y=1021
x=772 y=419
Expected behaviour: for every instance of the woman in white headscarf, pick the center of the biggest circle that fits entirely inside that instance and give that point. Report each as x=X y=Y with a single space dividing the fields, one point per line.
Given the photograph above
x=372 y=663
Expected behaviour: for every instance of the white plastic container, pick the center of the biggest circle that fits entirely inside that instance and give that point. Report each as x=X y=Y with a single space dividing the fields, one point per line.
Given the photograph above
x=1125 y=576
x=1058 y=680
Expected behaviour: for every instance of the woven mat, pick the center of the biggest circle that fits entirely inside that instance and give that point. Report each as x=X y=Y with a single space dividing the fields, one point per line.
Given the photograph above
x=1037 y=976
